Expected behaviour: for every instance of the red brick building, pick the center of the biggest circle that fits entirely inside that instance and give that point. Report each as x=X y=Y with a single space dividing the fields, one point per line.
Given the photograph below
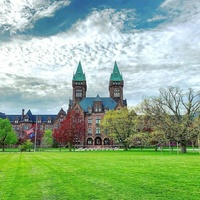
x=94 y=108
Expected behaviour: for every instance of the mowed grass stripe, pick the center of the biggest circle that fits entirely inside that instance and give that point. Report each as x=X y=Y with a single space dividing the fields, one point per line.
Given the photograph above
x=99 y=175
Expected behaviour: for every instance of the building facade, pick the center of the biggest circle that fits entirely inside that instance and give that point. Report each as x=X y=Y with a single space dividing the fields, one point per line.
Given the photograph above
x=94 y=108
x=29 y=126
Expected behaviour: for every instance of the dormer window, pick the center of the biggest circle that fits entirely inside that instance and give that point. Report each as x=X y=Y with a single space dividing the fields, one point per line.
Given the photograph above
x=39 y=121
x=98 y=108
x=16 y=121
x=89 y=110
x=106 y=110
x=48 y=121
x=26 y=119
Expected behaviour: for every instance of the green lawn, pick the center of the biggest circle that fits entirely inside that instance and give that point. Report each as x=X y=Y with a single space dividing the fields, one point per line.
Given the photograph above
x=102 y=175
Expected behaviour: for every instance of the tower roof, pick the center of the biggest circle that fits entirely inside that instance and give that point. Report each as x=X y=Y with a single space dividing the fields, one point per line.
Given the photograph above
x=116 y=76
x=79 y=75
x=97 y=98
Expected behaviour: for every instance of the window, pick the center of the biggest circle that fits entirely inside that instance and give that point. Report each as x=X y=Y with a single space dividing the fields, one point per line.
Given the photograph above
x=79 y=120
x=78 y=93
x=48 y=127
x=98 y=108
x=39 y=121
x=116 y=83
x=89 y=141
x=77 y=110
x=98 y=131
x=89 y=110
x=16 y=121
x=98 y=120
x=79 y=83
x=89 y=131
x=48 y=121
x=26 y=120
x=25 y=127
x=116 y=93
x=89 y=120
x=106 y=110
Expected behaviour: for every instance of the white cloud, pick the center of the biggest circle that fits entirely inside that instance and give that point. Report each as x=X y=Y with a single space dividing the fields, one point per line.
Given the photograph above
x=157 y=18
x=21 y=15
x=149 y=59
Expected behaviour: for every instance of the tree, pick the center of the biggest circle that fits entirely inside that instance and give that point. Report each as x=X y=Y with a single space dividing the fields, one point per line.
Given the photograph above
x=140 y=139
x=119 y=125
x=172 y=113
x=158 y=138
x=47 y=139
x=7 y=135
x=71 y=131
x=26 y=145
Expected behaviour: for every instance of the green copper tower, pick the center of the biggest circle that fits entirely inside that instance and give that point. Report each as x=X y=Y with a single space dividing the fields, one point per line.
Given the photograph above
x=116 y=85
x=79 y=84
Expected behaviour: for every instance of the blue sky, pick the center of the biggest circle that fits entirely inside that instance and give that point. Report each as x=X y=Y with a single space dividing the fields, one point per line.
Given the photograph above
x=156 y=44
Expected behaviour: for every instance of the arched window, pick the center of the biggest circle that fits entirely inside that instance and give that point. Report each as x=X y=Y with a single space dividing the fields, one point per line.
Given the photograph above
x=89 y=141
x=98 y=141
x=106 y=141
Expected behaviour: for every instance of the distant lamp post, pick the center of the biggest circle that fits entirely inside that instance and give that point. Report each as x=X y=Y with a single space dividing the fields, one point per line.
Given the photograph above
x=35 y=142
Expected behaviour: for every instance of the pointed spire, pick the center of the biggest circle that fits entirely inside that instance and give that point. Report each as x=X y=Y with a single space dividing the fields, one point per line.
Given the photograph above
x=79 y=75
x=116 y=76
x=98 y=98
x=29 y=113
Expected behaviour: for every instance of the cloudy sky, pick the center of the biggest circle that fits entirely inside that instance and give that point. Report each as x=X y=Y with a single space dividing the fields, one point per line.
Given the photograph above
x=156 y=44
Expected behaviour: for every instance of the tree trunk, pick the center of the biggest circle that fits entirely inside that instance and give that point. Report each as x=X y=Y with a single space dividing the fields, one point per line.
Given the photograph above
x=183 y=148
x=70 y=146
x=125 y=146
x=3 y=147
x=156 y=147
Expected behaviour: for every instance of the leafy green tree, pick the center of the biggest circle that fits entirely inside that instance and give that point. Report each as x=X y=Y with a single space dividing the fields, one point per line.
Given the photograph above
x=47 y=139
x=140 y=139
x=172 y=113
x=119 y=125
x=158 y=138
x=7 y=135
x=27 y=145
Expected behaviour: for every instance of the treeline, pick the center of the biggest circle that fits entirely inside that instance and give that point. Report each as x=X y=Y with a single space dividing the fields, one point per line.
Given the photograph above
x=171 y=117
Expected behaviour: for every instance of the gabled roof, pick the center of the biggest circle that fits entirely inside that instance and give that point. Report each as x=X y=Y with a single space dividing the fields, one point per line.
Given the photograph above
x=61 y=112
x=79 y=75
x=98 y=98
x=107 y=102
x=116 y=76
x=32 y=118
x=45 y=118
x=2 y=115
x=12 y=118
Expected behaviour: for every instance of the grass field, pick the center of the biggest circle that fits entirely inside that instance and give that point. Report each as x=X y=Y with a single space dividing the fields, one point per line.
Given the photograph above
x=106 y=175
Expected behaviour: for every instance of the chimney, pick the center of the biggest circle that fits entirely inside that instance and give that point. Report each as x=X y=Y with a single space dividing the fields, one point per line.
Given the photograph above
x=22 y=114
